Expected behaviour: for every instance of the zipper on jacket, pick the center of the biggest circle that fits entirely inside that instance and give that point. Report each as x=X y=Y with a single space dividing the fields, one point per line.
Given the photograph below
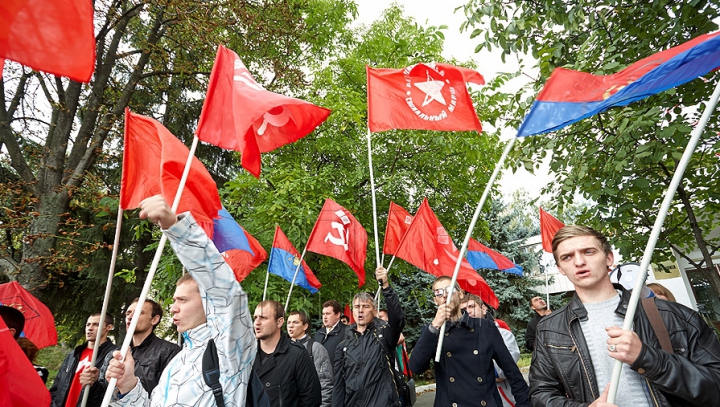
x=572 y=348
x=582 y=362
x=652 y=393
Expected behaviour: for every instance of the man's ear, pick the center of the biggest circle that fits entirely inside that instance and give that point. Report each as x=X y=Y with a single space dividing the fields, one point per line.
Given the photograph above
x=155 y=320
x=280 y=322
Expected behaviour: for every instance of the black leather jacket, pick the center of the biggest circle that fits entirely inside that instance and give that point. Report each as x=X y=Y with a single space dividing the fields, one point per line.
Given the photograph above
x=562 y=374
x=151 y=357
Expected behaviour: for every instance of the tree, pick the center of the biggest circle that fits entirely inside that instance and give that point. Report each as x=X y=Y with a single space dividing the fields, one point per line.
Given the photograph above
x=447 y=168
x=63 y=138
x=623 y=159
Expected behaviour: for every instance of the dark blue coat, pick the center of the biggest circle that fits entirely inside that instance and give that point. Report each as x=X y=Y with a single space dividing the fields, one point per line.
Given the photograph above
x=465 y=375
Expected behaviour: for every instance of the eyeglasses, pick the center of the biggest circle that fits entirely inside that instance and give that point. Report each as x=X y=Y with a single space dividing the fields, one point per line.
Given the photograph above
x=441 y=292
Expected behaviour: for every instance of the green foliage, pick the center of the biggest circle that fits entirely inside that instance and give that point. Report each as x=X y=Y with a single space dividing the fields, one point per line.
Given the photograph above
x=622 y=160
x=51 y=358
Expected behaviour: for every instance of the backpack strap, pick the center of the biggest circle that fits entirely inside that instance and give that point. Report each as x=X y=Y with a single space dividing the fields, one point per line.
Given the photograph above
x=657 y=324
x=309 y=347
x=211 y=372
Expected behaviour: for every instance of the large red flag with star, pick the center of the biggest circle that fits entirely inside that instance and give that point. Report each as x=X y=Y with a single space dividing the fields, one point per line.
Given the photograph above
x=239 y=114
x=55 y=36
x=428 y=246
x=422 y=97
x=338 y=234
x=153 y=163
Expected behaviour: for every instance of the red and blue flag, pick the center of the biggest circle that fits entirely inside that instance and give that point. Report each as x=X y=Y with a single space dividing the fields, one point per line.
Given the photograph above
x=284 y=260
x=228 y=234
x=570 y=96
x=482 y=257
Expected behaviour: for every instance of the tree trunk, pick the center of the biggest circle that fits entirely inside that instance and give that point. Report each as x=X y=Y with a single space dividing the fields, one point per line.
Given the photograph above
x=708 y=271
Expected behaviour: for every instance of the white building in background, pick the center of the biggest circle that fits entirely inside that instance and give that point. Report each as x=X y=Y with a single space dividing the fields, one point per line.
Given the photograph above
x=682 y=279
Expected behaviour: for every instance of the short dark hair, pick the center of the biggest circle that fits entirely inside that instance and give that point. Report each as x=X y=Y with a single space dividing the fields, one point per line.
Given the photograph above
x=335 y=306
x=303 y=316
x=29 y=348
x=533 y=299
x=13 y=318
x=275 y=306
x=109 y=320
x=156 y=309
x=570 y=231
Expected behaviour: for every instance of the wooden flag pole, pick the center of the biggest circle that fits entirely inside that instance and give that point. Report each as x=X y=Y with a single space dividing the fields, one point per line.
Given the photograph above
x=292 y=283
x=475 y=217
x=655 y=234
x=151 y=272
x=106 y=300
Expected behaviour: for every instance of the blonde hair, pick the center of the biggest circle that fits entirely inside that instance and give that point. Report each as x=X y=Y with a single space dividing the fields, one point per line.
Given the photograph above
x=660 y=289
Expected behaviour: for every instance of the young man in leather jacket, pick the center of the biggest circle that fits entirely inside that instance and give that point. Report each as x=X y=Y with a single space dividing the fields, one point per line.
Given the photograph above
x=578 y=344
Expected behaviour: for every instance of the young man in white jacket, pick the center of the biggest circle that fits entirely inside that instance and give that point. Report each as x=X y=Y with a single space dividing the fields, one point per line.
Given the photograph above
x=208 y=304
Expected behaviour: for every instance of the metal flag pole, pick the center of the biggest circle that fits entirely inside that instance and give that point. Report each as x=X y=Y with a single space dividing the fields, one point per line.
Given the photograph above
x=377 y=294
x=106 y=300
x=292 y=283
x=463 y=249
x=655 y=234
x=151 y=272
x=374 y=203
x=267 y=277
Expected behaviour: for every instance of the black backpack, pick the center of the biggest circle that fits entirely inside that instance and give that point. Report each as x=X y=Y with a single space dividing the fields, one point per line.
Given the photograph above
x=255 y=396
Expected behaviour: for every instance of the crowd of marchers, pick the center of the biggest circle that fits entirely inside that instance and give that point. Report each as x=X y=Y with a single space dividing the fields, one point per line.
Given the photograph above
x=671 y=357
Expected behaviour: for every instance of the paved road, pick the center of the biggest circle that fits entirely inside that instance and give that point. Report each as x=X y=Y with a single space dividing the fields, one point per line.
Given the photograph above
x=428 y=398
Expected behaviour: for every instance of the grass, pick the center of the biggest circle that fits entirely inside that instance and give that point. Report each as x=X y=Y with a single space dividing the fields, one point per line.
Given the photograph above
x=524 y=360
x=51 y=358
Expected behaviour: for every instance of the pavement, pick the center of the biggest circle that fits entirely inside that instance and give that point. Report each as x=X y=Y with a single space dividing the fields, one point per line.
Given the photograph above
x=426 y=393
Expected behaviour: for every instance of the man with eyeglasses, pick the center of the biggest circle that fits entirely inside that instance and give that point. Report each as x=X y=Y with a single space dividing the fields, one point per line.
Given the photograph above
x=465 y=375
x=364 y=362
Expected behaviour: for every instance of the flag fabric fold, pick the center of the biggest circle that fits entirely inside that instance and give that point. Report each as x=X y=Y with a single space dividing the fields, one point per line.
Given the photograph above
x=549 y=226
x=239 y=114
x=56 y=36
x=482 y=257
x=428 y=246
x=422 y=97
x=39 y=321
x=349 y=314
x=338 y=234
x=242 y=262
x=284 y=259
x=20 y=385
x=153 y=163
x=228 y=234
x=570 y=96
x=398 y=222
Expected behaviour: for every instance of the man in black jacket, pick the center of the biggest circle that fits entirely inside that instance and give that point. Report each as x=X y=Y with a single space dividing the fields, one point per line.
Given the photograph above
x=284 y=368
x=577 y=345
x=541 y=309
x=364 y=361
x=333 y=331
x=75 y=372
x=151 y=353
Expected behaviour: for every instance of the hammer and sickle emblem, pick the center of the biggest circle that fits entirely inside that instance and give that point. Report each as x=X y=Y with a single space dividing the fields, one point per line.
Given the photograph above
x=340 y=227
x=277 y=120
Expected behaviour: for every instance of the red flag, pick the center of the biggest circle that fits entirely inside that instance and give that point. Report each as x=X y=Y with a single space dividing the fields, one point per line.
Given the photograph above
x=549 y=225
x=243 y=262
x=56 y=36
x=338 y=234
x=399 y=221
x=238 y=114
x=39 y=321
x=422 y=97
x=20 y=385
x=428 y=246
x=153 y=163
x=349 y=314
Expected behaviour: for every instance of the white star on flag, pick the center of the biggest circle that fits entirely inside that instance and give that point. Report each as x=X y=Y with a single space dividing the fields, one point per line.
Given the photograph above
x=432 y=90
